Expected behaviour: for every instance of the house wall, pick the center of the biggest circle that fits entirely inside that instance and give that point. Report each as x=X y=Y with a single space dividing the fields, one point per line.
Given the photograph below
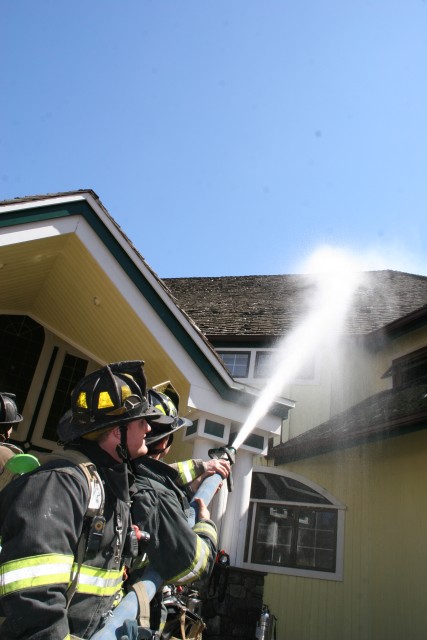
x=382 y=594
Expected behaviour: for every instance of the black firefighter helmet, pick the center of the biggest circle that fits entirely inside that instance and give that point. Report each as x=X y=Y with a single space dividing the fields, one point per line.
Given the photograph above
x=109 y=397
x=9 y=416
x=165 y=399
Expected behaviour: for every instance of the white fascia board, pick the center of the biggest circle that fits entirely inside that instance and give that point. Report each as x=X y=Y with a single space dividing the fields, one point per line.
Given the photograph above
x=42 y=202
x=38 y=230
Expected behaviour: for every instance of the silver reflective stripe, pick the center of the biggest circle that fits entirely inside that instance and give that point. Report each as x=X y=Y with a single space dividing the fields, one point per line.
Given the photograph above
x=27 y=573
x=35 y=571
x=185 y=471
x=199 y=563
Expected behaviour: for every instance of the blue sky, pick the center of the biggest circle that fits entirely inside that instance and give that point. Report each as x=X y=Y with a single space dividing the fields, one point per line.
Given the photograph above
x=226 y=137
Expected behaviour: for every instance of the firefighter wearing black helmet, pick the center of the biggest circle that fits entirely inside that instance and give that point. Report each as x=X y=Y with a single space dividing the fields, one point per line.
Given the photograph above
x=161 y=506
x=9 y=418
x=160 y=499
x=189 y=473
x=61 y=569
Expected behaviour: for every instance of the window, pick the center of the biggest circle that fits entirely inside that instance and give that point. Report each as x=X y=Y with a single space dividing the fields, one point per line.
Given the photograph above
x=21 y=341
x=410 y=368
x=214 y=428
x=293 y=527
x=73 y=369
x=263 y=362
x=237 y=363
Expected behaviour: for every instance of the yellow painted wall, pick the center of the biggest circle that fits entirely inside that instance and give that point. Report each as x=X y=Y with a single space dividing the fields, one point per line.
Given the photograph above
x=382 y=596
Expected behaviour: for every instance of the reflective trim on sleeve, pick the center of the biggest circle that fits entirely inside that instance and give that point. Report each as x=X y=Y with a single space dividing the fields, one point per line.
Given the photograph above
x=198 y=565
x=207 y=529
x=186 y=471
x=35 y=571
x=49 y=569
x=99 y=582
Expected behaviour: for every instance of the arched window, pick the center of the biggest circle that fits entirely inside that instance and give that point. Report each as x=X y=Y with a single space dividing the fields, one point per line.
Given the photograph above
x=293 y=527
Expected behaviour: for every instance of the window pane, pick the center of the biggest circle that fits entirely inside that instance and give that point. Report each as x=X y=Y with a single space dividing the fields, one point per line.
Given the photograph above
x=316 y=541
x=410 y=368
x=21 y=340
x=274 y=530
x=73 y=369
x=237 y=363
x=263 y=364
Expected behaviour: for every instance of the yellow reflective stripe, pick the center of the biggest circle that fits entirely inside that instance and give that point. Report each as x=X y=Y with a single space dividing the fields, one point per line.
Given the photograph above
x=186 y=471
x=48 y=569
x=35 y=571
x=100 y=582
x=197 y=567
x=207 y=529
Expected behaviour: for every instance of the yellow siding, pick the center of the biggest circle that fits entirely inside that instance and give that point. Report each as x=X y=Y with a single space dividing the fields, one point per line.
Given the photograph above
x=381 y=597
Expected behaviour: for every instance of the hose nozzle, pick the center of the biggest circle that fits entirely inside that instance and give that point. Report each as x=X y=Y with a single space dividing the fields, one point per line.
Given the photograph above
x=226 y=453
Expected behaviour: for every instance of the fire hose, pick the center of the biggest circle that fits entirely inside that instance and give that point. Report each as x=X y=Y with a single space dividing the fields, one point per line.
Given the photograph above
x=128 y=608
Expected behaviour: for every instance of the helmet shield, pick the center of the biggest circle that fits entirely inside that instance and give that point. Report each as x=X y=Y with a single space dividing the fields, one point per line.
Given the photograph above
x=108 y=397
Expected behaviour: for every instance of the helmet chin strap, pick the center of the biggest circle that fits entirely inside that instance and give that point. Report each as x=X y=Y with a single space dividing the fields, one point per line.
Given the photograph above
x=122 y=448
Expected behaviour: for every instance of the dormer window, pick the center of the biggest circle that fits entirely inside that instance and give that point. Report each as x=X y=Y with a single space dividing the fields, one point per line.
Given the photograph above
x=410 y=368
x=237 y=362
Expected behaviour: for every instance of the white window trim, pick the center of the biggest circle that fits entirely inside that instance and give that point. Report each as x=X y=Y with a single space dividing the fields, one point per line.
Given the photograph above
x=338 y=574
x=315 y=380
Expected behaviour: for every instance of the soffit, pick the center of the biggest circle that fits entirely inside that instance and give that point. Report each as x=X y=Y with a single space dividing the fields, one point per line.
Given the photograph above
x=60 y=284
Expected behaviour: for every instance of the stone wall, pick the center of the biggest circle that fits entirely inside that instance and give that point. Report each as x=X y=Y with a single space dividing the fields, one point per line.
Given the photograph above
x=232 y=603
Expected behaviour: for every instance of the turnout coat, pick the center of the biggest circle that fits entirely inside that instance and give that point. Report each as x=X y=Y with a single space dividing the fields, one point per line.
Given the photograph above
x=179 y=553
x=43 y=516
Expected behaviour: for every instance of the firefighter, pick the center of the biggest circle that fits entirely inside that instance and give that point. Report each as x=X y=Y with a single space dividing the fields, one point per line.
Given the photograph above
x=162 y=497
x=189 y=473
x=61 y=566
x=155 y=478
x=9 y=418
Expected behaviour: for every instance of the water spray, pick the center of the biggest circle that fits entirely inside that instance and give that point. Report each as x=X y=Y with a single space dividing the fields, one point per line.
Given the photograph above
x=335 y=277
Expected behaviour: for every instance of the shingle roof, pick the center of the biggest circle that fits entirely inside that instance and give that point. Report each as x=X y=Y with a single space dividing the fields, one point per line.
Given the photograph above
x=390 y=412
x=272 y=305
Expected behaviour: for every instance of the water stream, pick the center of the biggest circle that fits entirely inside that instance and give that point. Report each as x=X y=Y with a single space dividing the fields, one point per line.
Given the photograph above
x=336 y=276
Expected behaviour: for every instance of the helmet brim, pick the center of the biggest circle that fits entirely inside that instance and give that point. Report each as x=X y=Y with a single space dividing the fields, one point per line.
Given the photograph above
x=179 y=423
x=12 y=423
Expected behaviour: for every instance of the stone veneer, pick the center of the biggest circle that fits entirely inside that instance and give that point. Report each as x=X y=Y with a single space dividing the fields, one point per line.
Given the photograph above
x=232 y=603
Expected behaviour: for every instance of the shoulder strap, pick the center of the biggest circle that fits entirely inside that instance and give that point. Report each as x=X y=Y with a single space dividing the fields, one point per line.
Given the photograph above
x=95 y=508
x=88 y=468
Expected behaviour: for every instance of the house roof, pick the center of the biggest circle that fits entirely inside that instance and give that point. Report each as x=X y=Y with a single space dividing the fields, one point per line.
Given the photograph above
x=269 y=306
x=385 y=414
